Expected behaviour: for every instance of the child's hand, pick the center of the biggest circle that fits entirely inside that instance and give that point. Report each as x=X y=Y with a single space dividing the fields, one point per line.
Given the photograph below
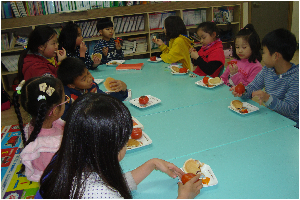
x=96 y=60
x=168 y=168
x=117 y=85
x=82 y=49
x=61 y=54
x=262 y=96
x=194 y=53
x=157 y=41
x=118 y=45
x=190 y=189
x=235 y=93
x=233 y=68
x=105 y=51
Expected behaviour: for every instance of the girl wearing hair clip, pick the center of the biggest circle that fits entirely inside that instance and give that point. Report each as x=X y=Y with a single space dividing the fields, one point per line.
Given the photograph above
x=44 y=99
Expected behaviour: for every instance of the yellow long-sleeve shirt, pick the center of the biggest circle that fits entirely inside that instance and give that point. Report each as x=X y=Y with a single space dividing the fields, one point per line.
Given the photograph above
x=178 y=51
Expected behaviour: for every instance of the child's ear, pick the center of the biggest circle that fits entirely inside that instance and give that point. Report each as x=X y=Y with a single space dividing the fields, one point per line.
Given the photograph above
x=277 y=55
x=41 y=48
x=100 y=32
x=71 y=86
x=214 y=35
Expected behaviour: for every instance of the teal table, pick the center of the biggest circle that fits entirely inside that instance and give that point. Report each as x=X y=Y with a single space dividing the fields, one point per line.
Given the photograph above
x=252 y=156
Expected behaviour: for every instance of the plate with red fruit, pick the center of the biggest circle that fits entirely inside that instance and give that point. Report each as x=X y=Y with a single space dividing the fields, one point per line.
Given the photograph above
x=154 y=59
x=210 y=82
x=145 y=101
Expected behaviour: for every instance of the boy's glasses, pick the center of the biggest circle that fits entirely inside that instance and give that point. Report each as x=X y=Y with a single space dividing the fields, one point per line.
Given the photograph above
x=67 y=101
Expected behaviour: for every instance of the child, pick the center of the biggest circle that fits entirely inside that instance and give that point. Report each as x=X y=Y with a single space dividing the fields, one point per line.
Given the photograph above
x=210 y=58
x=279 y=77
x=71 y=40
x=108 y=46
x=248 y=57
x=179 y=44
x=44 y=99
x=87 y=165
x=39 y=57
x=77 y=80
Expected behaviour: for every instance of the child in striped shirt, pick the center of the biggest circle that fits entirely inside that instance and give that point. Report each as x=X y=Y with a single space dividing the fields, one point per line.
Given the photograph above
x=110 y=48
x=279 y=77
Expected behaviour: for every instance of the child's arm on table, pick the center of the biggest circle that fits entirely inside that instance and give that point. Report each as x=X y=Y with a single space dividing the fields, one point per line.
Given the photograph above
x=189 y=190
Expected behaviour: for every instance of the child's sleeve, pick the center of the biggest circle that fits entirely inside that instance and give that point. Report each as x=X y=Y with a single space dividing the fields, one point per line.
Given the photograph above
x=122 y=95
x=225 y=75
x=256 y=84
x=172 y=55
x=238 y=77
x=98 y=49
x=88 y=61
x=207 y=67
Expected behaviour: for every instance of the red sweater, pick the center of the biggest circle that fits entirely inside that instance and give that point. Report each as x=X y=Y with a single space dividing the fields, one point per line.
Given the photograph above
x=35 y=65
x=214 y=53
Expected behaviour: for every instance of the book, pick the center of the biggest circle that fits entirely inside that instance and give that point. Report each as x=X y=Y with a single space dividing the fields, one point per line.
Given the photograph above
x=15 y=9
x=137 y=66
x=134 y=23
x=119 y=25
x=122 y=24
x=7 y=9
x=126 y=25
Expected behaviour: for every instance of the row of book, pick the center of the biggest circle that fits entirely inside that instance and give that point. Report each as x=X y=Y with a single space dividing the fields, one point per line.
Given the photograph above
x=10 y=62
x=88 y=28
x=16 y=9
x=129 y=24
x=156 y=20
x=193 y=17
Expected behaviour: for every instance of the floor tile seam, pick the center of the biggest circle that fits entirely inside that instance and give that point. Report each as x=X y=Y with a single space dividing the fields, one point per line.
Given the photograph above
x=236 y=141
x=177 y=108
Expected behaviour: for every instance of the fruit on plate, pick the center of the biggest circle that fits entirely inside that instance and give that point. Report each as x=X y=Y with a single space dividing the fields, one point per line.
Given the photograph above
x=143 y=100
x=240 y=88
x=243 y=110
x=192 y=166
x=236 y=105
x=186 y=177
x=205 y=180
x=183 y=70
x=153 y=58
x=136 y=133
x=214 y=81
x=205 y=80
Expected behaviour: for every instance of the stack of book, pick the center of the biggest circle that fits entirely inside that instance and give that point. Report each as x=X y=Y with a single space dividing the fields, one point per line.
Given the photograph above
x=10 y=62
x=135 y=45
x=193 y=17
x=129 y=24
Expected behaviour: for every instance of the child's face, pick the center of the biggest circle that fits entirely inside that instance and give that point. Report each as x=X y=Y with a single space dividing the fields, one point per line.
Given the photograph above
x=85 y=81
x=107 y=33
x=242 y=48
x=50 y=48
x=79 y=38
x=206 y=38
x=268 y=59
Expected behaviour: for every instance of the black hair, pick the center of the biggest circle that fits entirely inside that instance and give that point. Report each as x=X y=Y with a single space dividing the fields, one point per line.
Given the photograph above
x=174 y=26
x=69 y=69
x=281 y=41
x=97 y=127
x=210 y=28
x=68 y=36
x=249 y=34
x=38 y=109
x=104 y=23
x=39 y=36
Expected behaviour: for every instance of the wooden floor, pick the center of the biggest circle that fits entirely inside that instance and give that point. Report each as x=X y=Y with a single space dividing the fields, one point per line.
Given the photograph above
x=9 y=117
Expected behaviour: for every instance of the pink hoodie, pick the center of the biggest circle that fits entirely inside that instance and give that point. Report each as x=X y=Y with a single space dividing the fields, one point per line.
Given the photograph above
x=38 y=154
x=246 y=72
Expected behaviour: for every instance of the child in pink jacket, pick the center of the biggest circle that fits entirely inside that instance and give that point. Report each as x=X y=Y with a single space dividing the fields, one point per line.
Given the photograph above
x=44 y=99
x=247 y=65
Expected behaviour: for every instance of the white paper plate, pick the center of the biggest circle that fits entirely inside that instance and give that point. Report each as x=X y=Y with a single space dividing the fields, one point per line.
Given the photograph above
x=200 y=83
x=138 y=124
x=152 y=101
x=144 y=141
x=111 y=63
x=207 y=172
x=177 y=73
x=251 y=108
x=98 y=81
x=157 y=60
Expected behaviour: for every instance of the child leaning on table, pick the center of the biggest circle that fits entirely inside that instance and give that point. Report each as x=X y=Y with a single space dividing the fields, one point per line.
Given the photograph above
x=77 y=80
x=71 y=40
x=107 y=46
x=210 y=58
x=179 y=44
x=247 y=55
x=279 y=77
x=44 y=99
x=87 y=165
x=39 y=58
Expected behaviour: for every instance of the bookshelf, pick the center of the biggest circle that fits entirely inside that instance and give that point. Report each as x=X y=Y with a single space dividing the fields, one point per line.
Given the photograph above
x=29 y=22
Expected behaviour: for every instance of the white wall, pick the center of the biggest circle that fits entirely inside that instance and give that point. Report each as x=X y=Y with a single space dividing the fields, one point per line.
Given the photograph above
x=295 y=19
x=245 y=13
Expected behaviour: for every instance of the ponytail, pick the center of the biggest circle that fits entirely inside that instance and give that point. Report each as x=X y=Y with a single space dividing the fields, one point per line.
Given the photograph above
x=20 y=64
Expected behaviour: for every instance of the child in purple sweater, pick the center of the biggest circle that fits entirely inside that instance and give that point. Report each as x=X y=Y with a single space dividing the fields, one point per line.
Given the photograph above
x=247 y=65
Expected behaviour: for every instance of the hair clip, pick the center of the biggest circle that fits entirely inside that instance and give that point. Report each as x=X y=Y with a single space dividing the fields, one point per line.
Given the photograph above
x=50 y=91
x=43 y=87
x=20 y=86
x=41 y=97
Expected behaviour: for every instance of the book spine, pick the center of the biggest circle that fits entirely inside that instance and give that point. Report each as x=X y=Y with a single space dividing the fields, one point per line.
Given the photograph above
x=7 y=10
x=15 y=9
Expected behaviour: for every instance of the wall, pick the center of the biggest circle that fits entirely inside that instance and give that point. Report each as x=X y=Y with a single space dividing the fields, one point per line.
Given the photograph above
x=295 y=20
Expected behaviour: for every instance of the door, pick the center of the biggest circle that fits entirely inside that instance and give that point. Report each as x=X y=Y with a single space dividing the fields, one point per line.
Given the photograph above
x=267 y=16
